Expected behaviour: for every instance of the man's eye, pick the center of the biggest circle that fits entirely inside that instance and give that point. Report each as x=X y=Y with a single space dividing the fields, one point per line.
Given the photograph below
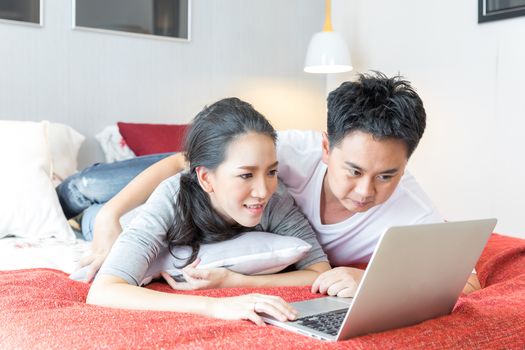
x=354 y=172
x=245 y=176
x=384 y=177
x=272 y=172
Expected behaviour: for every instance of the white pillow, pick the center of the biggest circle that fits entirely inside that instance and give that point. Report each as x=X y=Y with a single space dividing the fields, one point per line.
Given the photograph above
x=252 y=253
x=64 y=143
x=29 y=205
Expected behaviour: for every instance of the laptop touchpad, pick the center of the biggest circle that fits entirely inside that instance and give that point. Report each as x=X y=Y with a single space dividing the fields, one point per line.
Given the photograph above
x=321 y=305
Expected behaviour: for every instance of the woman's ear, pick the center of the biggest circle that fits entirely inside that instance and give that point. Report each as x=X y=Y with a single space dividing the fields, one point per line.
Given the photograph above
x=203 y=175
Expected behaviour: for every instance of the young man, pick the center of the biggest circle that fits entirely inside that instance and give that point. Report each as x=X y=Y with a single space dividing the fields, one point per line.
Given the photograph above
x=350 y=182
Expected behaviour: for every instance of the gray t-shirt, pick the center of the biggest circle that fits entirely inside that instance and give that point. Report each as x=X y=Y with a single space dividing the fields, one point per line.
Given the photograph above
x=146 y=235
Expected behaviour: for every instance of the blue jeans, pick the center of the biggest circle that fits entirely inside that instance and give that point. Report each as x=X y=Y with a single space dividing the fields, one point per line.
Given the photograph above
x=88 y=189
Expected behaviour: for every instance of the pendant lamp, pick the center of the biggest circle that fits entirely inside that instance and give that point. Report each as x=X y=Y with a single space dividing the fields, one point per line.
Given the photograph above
x=327 y=51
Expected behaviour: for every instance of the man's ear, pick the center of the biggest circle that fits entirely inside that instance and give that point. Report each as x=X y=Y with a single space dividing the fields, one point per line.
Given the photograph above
x=203 y=175
x=326 y=148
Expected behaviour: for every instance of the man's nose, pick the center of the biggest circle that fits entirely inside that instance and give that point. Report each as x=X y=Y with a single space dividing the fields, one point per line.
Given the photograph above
x=365 y=189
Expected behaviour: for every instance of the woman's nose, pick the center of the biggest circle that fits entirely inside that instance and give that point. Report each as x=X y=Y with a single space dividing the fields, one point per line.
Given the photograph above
x=260 y=188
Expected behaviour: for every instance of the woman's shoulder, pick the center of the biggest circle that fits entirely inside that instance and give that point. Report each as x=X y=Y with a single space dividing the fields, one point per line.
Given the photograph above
x=172 y=183
x=281 y=198
x=166 y=192
x=281 y=191
x=281 y=215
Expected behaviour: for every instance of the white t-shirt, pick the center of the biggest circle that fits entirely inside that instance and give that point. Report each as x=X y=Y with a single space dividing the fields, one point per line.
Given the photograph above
x=353 y=240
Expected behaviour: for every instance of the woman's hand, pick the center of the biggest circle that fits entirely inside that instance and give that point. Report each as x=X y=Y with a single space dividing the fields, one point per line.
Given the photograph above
x=105 y=232
x=201 y=278
x=247 y=307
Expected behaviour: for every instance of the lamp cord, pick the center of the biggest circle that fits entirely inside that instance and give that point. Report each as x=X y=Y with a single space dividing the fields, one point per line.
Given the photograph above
x=328 y=17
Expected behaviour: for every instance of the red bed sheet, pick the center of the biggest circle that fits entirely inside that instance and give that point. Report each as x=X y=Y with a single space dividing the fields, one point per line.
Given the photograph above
x=43 y=309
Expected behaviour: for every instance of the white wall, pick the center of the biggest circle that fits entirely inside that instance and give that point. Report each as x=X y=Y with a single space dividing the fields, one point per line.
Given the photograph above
x=471 y=79
x=251 y=49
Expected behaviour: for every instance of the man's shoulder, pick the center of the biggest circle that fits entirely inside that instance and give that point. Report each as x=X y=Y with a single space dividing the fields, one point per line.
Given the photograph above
x=299 y=136
x=299 y=153
x=299 y=142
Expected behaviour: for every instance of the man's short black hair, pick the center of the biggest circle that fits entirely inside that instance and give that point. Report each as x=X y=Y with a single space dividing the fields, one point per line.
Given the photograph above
x=386 y=108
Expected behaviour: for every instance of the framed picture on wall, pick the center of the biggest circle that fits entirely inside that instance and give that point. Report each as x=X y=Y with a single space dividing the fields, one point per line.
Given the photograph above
x=168 y=19
x=492 y=10
x=22 y=11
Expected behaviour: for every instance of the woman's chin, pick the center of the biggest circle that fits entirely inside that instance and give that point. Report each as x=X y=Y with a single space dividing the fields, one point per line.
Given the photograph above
x=249 y=221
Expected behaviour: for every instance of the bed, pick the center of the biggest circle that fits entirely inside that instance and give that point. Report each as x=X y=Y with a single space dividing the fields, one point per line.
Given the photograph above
x=42 y=308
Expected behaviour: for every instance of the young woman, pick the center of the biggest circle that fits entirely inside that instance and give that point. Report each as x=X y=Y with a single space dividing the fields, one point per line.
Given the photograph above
x=231 y=187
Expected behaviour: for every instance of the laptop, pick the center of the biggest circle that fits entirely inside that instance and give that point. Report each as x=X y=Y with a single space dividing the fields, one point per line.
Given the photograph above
x=415 y=273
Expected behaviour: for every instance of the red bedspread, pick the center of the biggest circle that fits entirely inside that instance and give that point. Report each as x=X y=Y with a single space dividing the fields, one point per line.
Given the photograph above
x=43 y=309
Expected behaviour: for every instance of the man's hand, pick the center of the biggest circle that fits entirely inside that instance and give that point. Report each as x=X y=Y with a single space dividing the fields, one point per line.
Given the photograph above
x=472 y=284
x=200 y=278
x=105 y=232
x=339 y=281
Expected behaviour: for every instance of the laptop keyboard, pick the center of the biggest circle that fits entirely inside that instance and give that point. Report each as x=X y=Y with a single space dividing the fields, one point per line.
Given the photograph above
x=328 y=322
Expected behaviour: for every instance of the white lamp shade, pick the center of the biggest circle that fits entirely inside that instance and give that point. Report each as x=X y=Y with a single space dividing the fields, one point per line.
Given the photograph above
x=327 y=53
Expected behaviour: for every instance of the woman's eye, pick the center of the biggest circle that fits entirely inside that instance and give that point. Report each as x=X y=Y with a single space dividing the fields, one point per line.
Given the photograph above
x=245 y=176
x=272 y=172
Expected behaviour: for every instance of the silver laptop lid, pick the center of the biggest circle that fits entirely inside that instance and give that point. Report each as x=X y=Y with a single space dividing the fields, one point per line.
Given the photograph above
x=416 y=273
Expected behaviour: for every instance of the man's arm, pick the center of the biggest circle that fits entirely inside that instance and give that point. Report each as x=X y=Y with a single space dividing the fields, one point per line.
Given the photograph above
x=343 y=282
x=107 y=225
x=472 y=284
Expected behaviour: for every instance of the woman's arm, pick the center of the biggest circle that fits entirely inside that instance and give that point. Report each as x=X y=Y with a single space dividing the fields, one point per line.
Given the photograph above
x=138 y=246
x=224 y=278
x=112 y=291
x=302 y=277
x=107 y=225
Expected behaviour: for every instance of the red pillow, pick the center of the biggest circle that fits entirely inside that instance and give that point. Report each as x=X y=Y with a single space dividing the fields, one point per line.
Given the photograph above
x=146 y=139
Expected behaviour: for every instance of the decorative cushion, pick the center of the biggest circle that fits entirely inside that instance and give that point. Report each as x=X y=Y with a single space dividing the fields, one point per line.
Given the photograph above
x=252 y=253
x=29 y=205
x=146 y=139
x=113 y=144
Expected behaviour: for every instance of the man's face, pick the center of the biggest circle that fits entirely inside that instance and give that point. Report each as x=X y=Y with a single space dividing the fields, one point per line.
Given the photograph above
x=363 y=172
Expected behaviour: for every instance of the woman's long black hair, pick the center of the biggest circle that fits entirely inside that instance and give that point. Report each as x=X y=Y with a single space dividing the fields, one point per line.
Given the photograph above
x=207 y=140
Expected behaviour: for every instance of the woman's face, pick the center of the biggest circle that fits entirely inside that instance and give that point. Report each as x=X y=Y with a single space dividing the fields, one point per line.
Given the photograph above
x=242 y=185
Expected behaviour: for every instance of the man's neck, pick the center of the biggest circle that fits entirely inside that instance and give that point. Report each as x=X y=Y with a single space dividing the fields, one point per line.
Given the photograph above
x=331 y=210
